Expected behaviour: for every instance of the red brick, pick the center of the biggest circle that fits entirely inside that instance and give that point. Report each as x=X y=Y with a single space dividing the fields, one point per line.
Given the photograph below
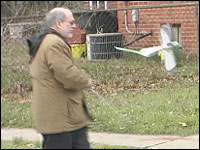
x=150 y=19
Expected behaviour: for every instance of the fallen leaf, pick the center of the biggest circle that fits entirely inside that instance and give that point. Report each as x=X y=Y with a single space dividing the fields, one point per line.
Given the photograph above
x=183 y=124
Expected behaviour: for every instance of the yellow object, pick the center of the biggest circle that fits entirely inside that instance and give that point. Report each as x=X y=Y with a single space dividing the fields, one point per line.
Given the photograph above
x=161 y=54
x=78 y=49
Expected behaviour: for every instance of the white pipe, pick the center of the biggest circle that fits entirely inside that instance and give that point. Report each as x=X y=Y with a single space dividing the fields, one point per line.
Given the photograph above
x=98 y=4
x=126 y=23
x=106 y=4
x=90 y=5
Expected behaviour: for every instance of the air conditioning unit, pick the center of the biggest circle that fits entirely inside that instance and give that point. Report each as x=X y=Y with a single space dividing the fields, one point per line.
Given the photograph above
x=101 y=46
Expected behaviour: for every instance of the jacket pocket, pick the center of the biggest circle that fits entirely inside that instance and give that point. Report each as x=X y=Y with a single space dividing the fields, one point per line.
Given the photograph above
x=75 y=110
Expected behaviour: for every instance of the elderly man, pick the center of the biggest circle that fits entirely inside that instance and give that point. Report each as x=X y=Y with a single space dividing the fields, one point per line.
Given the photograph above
x=59 y=111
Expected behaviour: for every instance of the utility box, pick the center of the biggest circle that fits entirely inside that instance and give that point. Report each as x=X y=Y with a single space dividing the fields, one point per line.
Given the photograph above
x=135 y=15
x=102 y=46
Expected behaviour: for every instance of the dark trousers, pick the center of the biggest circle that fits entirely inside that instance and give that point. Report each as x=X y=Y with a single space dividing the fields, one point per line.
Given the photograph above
x=67 y=140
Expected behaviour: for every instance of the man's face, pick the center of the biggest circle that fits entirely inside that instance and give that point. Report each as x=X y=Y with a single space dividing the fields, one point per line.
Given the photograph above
x=67 y=27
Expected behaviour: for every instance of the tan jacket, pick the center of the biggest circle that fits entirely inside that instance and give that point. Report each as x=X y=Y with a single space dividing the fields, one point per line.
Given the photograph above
x=57 y=88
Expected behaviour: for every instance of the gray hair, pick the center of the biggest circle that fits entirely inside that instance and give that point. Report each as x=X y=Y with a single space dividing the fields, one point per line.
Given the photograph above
x=55 y=15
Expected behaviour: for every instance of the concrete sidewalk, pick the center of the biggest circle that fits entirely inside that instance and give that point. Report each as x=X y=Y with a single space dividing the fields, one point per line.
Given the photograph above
x=139 y=141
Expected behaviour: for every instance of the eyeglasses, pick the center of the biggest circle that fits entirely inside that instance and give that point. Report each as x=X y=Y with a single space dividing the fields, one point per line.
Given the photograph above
x=71 y=22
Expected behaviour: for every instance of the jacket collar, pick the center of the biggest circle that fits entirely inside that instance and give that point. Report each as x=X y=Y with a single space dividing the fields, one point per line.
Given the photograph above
x=35 y=41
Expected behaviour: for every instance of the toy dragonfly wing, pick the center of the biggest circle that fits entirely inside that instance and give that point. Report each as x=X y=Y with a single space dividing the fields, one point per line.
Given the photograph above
x=147 y=52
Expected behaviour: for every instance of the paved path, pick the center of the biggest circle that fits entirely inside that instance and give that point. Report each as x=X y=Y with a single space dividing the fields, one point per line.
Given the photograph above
x=140 y=141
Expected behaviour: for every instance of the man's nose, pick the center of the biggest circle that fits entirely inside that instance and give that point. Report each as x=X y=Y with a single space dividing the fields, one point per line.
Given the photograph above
x=74 y=25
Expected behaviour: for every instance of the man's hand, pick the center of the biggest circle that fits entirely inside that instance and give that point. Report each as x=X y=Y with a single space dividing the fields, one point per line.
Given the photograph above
x=90 y=84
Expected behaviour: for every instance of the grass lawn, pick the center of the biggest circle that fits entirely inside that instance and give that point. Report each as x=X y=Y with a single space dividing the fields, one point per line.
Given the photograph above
x=18 y=143
x=132 y=96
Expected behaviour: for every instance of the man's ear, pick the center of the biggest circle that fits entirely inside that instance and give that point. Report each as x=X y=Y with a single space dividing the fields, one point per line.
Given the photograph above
x=58 y=24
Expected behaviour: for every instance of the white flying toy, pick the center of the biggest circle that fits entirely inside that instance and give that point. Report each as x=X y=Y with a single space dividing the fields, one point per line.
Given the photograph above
x=167 y=46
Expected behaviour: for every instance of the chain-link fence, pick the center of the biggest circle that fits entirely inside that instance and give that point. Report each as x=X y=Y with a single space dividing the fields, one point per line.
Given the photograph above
x=95 y=26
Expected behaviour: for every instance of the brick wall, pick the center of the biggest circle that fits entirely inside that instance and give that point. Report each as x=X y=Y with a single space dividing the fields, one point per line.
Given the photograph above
x=151 y=19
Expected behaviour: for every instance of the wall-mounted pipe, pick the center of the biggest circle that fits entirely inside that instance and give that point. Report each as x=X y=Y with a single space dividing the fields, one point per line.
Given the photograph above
x=97 y=4
x=106 y=4
x=135 y=19
x=126 y=24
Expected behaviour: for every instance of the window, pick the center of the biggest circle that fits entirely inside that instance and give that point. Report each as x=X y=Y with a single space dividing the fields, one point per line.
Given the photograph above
x=176 y=31
x=98 y=4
